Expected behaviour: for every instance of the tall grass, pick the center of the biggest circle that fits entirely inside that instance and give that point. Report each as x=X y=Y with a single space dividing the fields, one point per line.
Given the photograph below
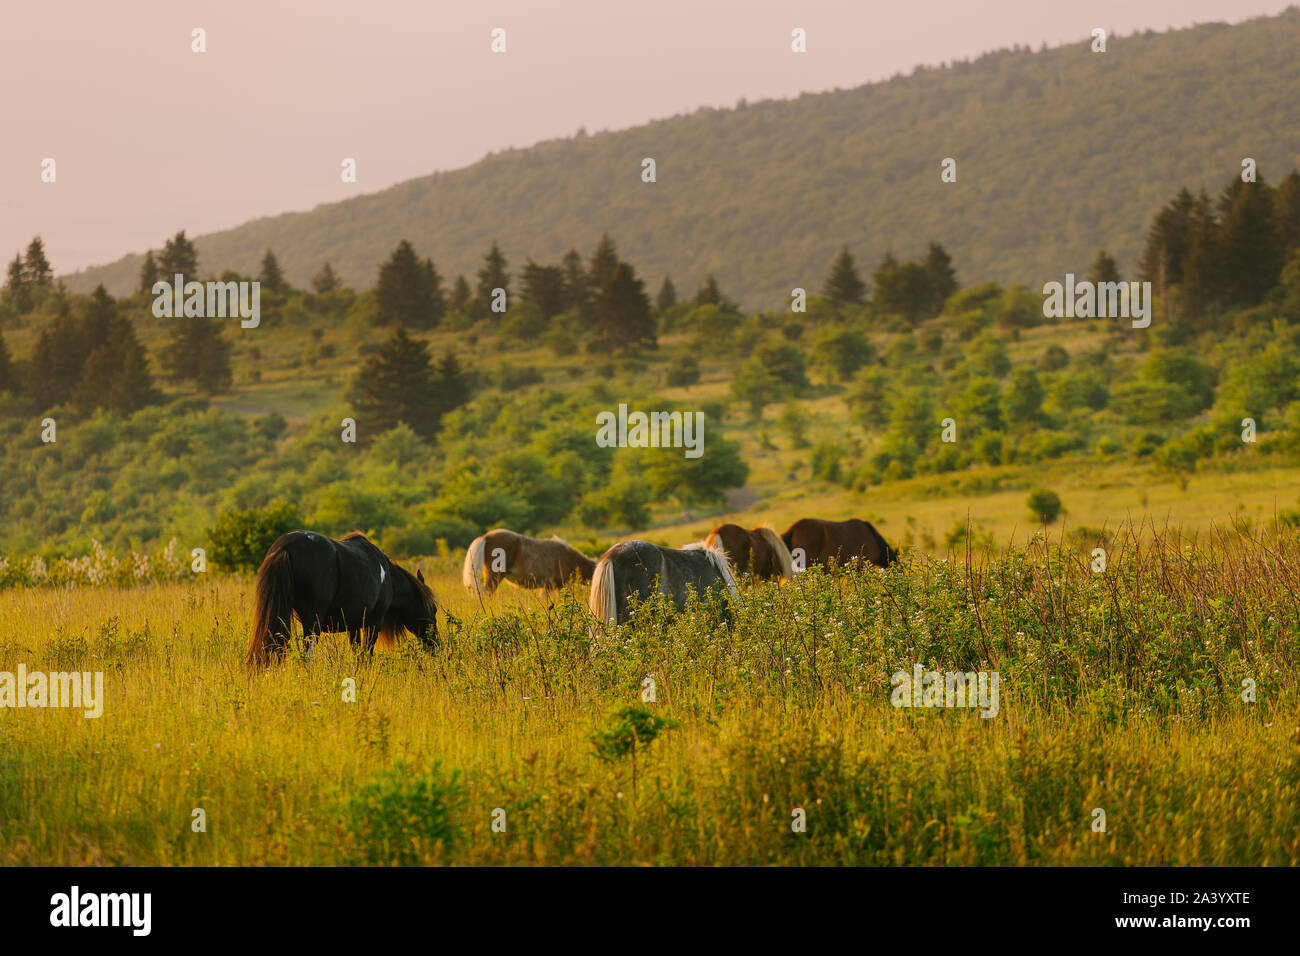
x=1121 y=691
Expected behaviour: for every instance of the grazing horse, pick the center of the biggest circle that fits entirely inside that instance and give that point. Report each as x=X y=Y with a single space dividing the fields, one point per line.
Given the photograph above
x=838 y=542
x=638 y=568
x=757 y=551
x=348 y=585
x=502 y=555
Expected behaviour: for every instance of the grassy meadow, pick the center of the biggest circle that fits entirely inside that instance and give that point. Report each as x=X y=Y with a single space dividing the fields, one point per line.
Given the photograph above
x=1120 y=691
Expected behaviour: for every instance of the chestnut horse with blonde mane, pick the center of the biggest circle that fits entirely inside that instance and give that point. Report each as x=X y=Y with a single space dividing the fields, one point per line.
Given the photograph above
x=503 y=555
x=757 y=551
x=837 y=542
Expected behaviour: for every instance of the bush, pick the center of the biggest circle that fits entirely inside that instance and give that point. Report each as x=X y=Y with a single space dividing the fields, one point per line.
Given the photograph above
x=1046 y=505
x=683 y=373
x=240 y=539
x=404 y=817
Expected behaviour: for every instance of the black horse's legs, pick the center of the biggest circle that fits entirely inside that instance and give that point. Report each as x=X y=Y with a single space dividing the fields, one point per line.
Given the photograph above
x=354 y=637
x=372 y=635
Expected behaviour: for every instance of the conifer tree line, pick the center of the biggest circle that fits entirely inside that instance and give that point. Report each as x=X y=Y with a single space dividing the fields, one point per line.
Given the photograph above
x=1212 y=255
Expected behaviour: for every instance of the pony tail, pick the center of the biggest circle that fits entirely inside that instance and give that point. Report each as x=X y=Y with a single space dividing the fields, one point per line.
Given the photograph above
x=779 y=549
x=471 y=574
x=602 y=601
x=719 y=559
x=274 y=609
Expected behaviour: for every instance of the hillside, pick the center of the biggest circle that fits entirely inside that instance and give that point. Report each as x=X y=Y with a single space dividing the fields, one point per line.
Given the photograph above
x=1058 y=152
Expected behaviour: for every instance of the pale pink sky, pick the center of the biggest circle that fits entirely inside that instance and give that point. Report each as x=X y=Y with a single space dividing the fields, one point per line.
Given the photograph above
x=150 y=138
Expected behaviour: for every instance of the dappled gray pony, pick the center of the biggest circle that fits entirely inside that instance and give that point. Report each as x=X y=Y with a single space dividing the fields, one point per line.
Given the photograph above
x=635 y=570
x=503 y=555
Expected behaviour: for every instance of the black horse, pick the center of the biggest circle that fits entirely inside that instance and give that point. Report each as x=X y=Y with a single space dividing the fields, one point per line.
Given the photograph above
x=348 y=585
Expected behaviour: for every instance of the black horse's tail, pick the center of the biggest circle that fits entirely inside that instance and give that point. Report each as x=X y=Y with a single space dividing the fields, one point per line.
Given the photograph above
x=274 y=611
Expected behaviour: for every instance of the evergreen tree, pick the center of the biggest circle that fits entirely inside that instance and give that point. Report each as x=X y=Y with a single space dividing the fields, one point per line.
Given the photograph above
x=844 y=287
x=97 y=325
x=396 y=385
x=621 y=311
x=708 y=292
x=325 y=281
x=1286 y=202
x=36 y=268
x=7 y=381
x=149 y=273
x=667 y=297
x=1103 y=268
x=544 y=287
x=575 y=282
x=408 y=291
x=199 y=354
x=178 y=257
x=491 y=277
x=603 y=264
x=56 y=361
x=115 y=374
x=16 y=288
x=271 y=277
x=1250 y=248
x=943 y=277
x=460 y=295
x=1168 y=242
x=451 y=384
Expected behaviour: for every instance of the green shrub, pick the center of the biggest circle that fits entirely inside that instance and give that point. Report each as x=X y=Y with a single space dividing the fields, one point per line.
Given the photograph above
x=240 y=539
x=1045 y=505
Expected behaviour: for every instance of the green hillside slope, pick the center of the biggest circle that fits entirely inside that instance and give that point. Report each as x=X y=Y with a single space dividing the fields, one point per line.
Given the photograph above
x=1058 y=152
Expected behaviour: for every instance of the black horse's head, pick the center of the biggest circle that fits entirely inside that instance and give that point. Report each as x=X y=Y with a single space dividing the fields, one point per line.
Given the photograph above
x=414 y=607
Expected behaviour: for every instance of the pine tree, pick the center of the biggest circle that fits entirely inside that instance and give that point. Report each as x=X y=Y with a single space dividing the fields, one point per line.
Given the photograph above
x=708 y=293
x=450 y=384
x=7 y=381
x=36 y=268
x=57 y=361
x=544 y=287
x=149 y=272
x=667 y=297
x=271 y=277
x=408 y=291
x=1103 y=268
x=623 y=320
x=844 y=287
x=1250 y=249
x=178 y=257
x=116 y=374
x=16 y=288
x=491 y=277
x=1168 y=242
x=943 y=277
x=325 y=281
x=604 y=263
x=98 y=322
x=396 y=385
x=1286 y=202
x=575 y=282
x=460 y=295
x=199 y=354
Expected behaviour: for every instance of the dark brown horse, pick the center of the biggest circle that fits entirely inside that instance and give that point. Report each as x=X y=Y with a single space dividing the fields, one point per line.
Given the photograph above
x=757 y=551
x=347 y=585
x=503 y=555
x=814 y=541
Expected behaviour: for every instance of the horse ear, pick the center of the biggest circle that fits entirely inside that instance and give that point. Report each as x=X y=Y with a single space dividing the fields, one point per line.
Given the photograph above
x=419 y=574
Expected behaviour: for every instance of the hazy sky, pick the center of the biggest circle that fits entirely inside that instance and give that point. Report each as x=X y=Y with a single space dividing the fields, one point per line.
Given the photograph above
x=149 y=137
